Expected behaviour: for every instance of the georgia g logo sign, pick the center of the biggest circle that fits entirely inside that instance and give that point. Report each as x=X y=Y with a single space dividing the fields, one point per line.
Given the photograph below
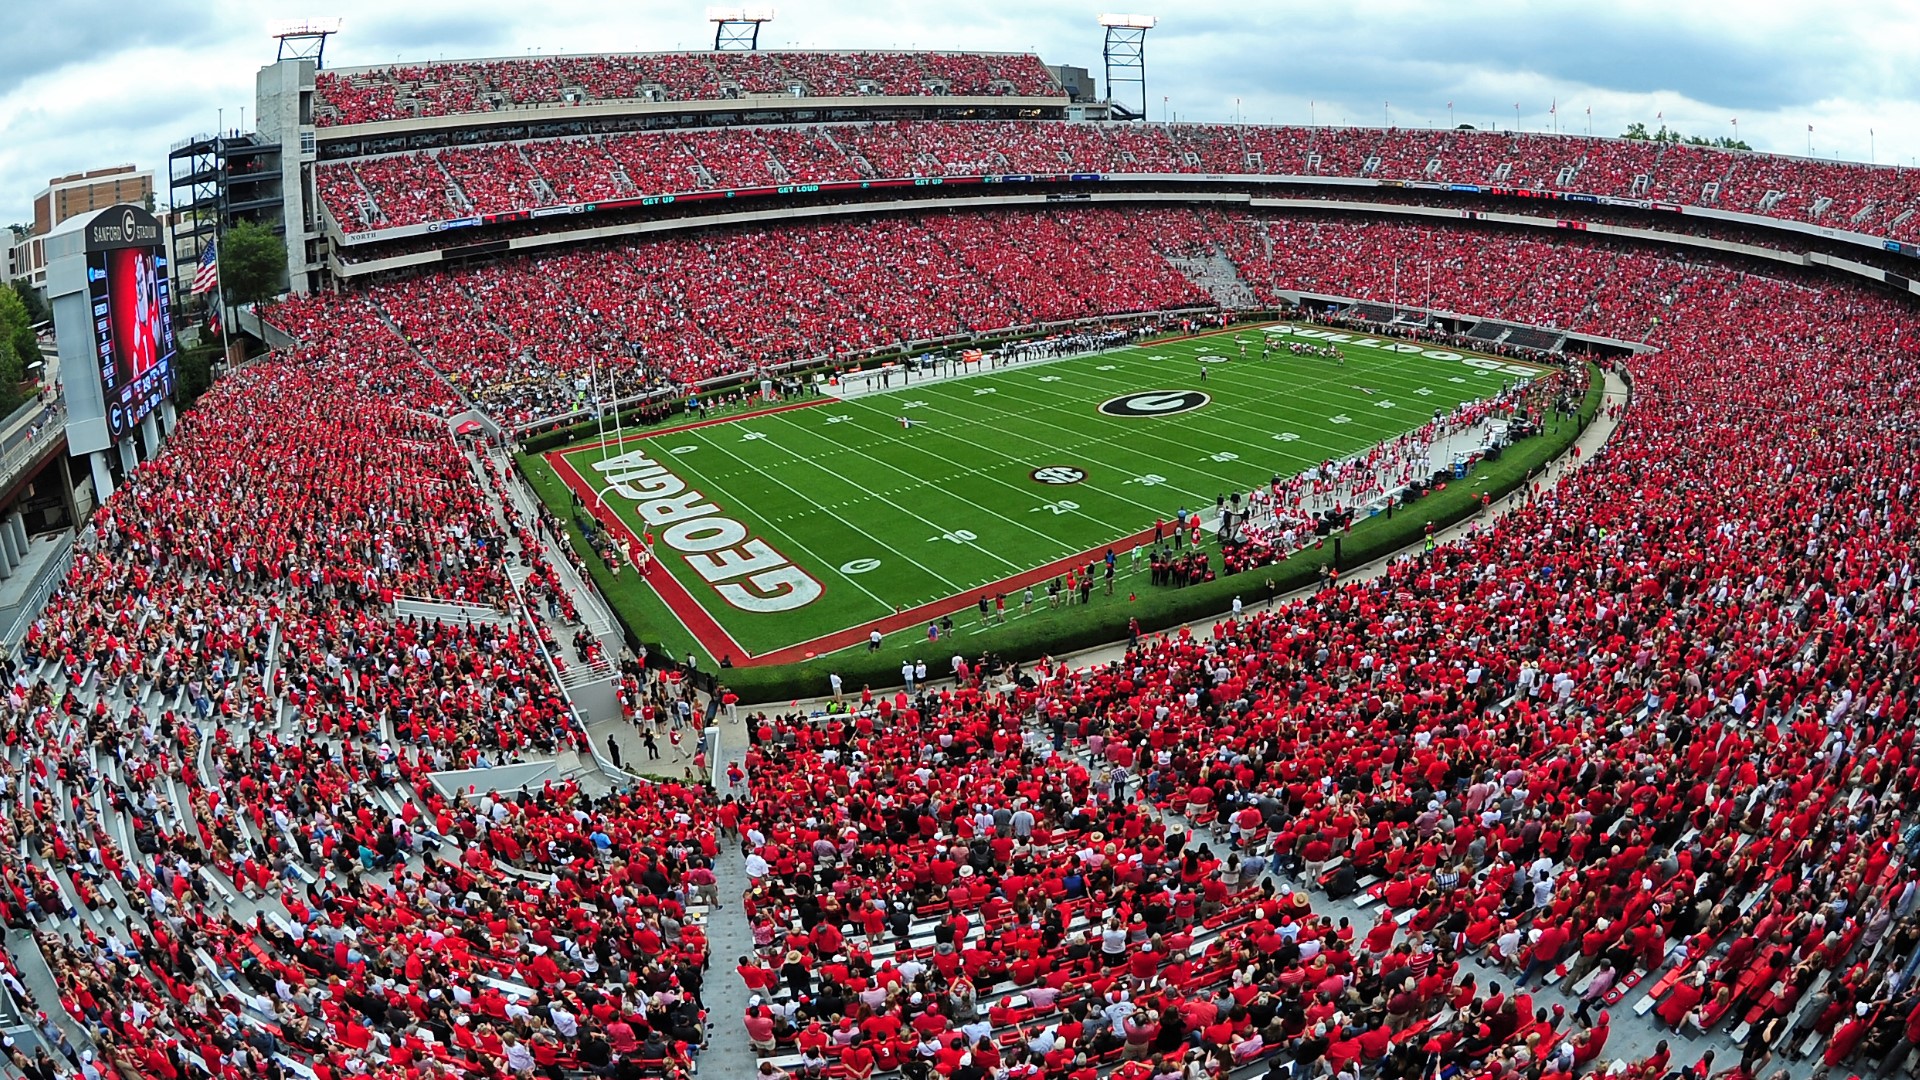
x=1154 y=403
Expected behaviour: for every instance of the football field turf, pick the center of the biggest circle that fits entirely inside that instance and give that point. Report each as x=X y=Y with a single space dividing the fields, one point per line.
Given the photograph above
x=794 y=531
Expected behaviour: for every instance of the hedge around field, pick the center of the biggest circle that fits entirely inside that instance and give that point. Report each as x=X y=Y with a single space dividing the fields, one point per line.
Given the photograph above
x=1052 y=633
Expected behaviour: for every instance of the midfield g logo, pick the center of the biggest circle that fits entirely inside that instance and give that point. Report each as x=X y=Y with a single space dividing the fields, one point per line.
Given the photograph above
x=1155 y=403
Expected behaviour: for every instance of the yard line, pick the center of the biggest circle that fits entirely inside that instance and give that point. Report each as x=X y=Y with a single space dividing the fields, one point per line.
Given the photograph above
x=700 y=434
x=1374 y=431
x=1224 y=413
x=1372 y=360
x=1155 y=460
x=1115 y=441
x=940 y=528
x=1147 y=432
x=1004 y=456
x=878 y=461
x=1392 y=369
x=1088 y=438
x=1215 y=416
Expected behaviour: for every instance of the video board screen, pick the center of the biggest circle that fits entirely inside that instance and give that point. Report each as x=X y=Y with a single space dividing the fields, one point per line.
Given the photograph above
x=133 y=332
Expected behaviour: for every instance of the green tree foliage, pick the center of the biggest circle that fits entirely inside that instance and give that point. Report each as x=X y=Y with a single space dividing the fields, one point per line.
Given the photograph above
x=196 y=372
x=253 y=263
x=1667 y=135
x=37 y=309
x=18 y=348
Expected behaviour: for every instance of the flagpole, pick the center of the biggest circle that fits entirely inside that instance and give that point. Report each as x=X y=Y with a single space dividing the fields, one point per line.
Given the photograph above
x=599 y=403
x=619 y=428
x=226 y=349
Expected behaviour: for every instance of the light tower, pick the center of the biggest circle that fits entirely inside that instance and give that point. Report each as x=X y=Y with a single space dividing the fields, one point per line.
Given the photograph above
x=738 y=28
x=305 y=40
x=1126 y=55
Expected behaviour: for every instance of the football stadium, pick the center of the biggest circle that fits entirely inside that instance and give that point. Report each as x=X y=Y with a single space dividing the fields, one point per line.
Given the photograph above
x=893 y=562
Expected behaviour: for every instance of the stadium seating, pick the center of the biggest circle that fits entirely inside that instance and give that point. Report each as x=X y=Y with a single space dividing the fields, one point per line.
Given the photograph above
x=243 y=724
x=1659 y=715
x=450 y=89
x=527 y=337
x=1673 y=801
x=407 y=189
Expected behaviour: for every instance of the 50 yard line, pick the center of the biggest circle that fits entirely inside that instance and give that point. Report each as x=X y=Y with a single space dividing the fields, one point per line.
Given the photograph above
x=1223 y=416
x=1003 y=455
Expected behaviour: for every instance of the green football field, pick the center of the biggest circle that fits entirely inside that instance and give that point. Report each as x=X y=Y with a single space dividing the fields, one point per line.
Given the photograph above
x=793 y=532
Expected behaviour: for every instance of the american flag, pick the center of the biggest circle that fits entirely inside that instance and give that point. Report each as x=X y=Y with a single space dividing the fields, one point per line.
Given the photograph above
x=208 y=275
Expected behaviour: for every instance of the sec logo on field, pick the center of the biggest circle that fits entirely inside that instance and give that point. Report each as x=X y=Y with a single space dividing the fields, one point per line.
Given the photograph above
x=1155 y=403
x=1059 y=475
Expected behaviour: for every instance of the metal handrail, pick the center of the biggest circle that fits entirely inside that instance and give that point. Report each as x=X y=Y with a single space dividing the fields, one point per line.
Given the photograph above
x=55 y=573
x=54 y=427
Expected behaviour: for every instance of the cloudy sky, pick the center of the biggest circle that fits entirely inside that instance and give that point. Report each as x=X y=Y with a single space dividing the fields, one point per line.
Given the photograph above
x=96 y=82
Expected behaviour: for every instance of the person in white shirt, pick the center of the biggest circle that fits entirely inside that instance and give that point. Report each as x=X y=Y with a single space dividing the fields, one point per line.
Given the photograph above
x=1044 y=1042
x=519 y=1058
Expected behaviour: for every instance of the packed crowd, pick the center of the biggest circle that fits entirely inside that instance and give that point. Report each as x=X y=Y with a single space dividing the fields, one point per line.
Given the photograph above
x=225 y=822
x=1846 y=195
x=450 y=89
x=1645 y=743
x=1293 y=512
x=533 y=339
x=1648 y=739
x=538 y=338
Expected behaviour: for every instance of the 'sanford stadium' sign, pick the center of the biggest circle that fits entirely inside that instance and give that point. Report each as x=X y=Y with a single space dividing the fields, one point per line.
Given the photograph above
x=123 y=227
x=747 y=573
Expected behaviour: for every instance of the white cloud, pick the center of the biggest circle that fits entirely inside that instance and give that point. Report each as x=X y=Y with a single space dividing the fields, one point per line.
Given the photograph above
x=166 y=69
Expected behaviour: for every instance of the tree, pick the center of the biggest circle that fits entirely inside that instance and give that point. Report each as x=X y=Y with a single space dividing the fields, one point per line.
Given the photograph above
x=196 y=372
x=1668 y=135
x=37 y=309
x=18 y=348
x=253 y=263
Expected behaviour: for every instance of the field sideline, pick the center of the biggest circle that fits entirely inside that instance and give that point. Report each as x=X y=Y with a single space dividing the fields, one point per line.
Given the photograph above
x=793 y=531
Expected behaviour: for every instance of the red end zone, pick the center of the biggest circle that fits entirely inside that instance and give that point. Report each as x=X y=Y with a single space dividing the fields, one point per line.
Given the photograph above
x=714 y=638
